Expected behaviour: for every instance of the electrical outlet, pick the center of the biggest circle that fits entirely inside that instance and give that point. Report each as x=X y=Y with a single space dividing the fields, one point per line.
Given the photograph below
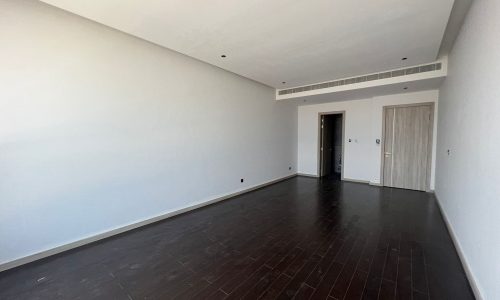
x=289 y=168
x=241 y=180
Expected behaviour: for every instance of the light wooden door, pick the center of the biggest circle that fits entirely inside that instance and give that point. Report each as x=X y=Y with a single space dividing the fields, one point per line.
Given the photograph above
x=407 y=146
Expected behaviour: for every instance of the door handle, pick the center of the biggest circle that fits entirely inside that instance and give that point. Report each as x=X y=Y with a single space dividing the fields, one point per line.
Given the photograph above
x=388 y=153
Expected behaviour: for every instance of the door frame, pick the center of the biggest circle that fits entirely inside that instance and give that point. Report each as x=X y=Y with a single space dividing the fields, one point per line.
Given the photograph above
x=430 y=146
x=343 y=114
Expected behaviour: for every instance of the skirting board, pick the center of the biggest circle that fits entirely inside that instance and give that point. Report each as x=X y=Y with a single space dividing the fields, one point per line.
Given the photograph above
x=107 y=234
x=472 y=280
x=356 y=180
x=344 y=179
x=307 y=175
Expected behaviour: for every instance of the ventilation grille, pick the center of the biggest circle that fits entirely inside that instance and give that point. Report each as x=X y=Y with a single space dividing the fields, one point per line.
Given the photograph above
x=353 y=80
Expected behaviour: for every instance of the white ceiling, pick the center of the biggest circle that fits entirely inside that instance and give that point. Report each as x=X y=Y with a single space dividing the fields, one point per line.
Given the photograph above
x=299 y=42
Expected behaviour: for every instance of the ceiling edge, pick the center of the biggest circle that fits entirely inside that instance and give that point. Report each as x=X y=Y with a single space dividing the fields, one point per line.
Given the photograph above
x=455 y=22
x=147 y=41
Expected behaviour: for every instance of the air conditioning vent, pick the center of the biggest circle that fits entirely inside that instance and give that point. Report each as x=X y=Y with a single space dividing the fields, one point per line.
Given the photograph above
x=372 y=77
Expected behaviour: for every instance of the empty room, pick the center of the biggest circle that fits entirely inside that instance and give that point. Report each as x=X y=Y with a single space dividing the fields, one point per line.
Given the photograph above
x=189 y=149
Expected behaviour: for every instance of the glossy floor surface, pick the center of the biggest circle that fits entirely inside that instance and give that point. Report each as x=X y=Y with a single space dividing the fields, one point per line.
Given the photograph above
x=302 y=238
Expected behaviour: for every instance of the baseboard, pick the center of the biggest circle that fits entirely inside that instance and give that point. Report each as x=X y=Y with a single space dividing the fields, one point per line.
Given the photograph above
x=53 y=251
x=343 y=179
x=468 y=272
x=307 y=175
x=355 y=180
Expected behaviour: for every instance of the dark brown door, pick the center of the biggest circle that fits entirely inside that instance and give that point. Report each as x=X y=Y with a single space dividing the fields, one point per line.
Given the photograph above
x=326 y=148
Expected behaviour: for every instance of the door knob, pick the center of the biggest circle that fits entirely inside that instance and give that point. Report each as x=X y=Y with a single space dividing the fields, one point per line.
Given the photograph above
x=388 y=153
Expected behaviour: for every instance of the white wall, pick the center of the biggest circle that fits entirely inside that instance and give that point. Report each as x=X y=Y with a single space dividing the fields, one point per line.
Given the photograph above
x=363 y=125
x=99 y=130
x=468 y=180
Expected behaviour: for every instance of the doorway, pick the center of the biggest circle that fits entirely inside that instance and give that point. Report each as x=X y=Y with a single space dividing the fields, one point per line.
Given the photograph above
x=407 y=146
x=331 y=145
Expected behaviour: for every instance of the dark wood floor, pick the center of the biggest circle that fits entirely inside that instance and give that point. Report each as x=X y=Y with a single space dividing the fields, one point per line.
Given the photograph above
x=302 y=238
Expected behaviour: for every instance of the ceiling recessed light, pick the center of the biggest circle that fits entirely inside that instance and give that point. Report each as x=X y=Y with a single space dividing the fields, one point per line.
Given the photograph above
x=223 y=56
x=404 y=58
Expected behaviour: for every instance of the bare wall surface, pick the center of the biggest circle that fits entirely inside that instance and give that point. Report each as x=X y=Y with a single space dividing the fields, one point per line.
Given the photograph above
x=99 y=130
x=363 y=125
x=468 y=179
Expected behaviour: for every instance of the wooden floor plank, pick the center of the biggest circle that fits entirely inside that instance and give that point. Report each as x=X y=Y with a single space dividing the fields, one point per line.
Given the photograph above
x=305 y=238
